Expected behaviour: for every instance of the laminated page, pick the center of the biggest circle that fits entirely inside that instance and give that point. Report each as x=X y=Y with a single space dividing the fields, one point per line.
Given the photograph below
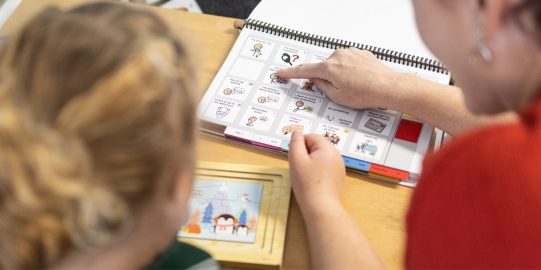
x=388 y=24
x=249 y=103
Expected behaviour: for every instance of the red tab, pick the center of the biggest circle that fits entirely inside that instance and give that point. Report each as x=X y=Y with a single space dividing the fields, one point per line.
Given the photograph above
x=409 y=130
x=386 y=171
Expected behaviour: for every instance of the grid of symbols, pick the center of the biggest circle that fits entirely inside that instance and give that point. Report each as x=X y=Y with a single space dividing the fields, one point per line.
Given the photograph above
x=253 y=97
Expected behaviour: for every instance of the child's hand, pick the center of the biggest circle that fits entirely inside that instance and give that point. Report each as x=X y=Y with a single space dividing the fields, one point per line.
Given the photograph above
x=317 y=171
x=350 y=77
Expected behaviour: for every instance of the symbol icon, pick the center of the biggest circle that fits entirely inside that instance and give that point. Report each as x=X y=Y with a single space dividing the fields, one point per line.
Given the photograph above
x=222 y=112
x=287 y=58
x=276 y=79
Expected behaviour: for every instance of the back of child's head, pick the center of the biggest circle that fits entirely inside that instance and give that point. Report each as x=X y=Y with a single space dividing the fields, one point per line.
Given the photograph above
x=96 y=112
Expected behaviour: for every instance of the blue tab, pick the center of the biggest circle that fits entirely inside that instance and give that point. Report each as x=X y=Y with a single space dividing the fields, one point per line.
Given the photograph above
x=356 y=164
x=285 y=145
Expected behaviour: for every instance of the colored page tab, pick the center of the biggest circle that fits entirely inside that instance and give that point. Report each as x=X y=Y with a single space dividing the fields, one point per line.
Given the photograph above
x=356 y=164
x=384 y=178
x=386 y=171
x=285 y=145
x=409 y=130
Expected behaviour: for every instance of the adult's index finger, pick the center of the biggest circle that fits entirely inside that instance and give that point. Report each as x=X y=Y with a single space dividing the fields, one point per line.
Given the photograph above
x=305 y=71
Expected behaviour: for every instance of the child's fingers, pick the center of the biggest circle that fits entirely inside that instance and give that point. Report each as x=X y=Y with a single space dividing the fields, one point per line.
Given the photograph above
x=316 y=142
x=297 y=148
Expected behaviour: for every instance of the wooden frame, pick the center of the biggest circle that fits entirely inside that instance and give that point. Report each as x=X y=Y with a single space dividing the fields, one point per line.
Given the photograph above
x=268 y=249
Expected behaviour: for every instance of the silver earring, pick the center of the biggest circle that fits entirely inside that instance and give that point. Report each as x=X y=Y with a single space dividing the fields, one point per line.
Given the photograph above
x=484 y=52
x=481 y=49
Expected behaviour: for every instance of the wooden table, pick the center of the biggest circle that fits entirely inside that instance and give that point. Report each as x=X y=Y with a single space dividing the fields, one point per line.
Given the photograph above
x=377 y=207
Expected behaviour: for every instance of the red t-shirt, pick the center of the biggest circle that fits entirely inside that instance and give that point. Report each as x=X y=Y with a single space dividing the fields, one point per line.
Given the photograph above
x=478 y=202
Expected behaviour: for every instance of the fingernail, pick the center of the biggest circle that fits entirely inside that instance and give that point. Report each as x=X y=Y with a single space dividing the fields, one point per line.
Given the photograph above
x=295 y=134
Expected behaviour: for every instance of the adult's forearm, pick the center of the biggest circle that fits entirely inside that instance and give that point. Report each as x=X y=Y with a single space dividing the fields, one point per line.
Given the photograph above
x=440 y=105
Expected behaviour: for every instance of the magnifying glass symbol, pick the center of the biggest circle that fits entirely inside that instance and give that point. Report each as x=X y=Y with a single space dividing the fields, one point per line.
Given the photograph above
x=287 y=58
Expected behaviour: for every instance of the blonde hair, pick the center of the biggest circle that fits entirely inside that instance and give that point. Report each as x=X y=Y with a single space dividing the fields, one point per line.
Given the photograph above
x=96 y=111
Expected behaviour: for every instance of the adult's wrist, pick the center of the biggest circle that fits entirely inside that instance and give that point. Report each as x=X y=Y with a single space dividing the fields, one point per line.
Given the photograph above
x=403 y=94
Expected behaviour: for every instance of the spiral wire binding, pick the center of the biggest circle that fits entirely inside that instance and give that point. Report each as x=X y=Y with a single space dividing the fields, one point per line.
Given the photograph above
x=333 y=43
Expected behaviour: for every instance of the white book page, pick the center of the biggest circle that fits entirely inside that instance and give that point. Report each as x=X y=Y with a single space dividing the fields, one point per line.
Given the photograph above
x=256 y=106
x=387 y=24
x=252 y=104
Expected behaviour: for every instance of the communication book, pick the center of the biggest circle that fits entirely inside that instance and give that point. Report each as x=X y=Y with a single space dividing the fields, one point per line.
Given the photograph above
x=248 y=103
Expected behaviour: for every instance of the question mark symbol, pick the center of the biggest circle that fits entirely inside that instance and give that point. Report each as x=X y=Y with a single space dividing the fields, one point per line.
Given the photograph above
x=295 y=57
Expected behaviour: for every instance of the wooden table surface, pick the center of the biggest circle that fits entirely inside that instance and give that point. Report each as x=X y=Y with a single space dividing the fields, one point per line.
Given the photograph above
x=377 y=207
